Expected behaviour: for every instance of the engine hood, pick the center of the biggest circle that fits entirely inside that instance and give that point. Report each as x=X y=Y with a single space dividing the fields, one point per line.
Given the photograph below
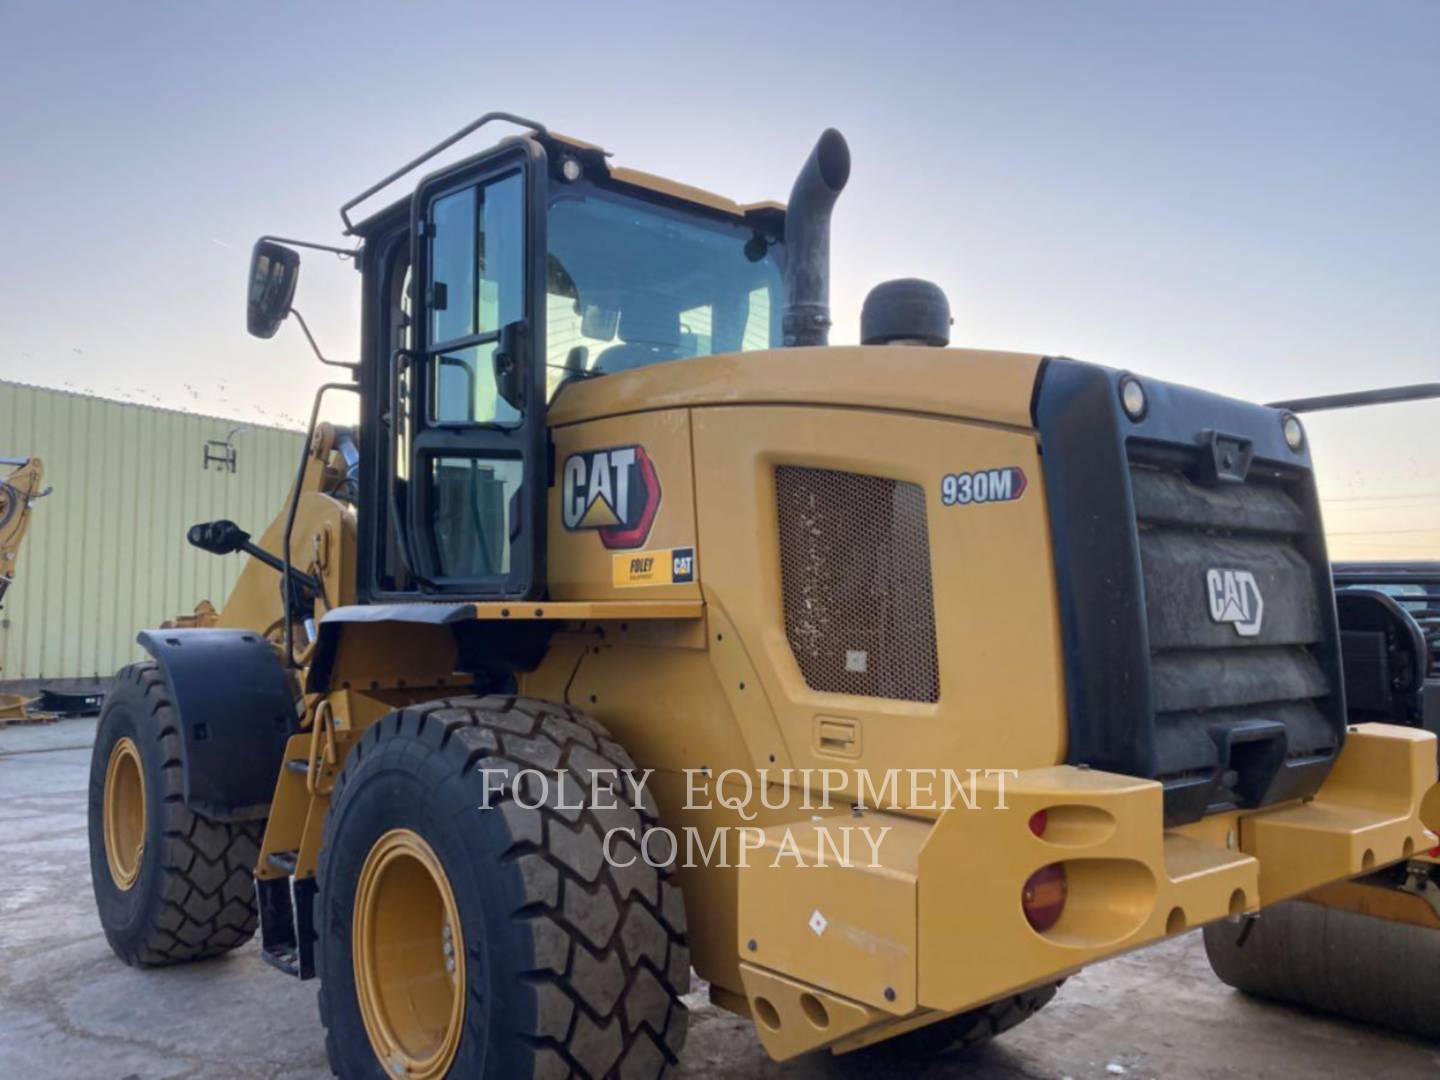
x=992 y=387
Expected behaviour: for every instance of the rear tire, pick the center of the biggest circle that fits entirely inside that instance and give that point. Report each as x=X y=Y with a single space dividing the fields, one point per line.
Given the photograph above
x=969 y=1029
x=170 y=885
x=1364 y=968
x=569 y=964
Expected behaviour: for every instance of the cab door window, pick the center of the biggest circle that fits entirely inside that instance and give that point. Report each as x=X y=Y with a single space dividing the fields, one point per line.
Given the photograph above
x=477 y=281
x=475 y=444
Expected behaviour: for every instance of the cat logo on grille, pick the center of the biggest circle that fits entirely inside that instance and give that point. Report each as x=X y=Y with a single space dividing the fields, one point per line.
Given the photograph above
x=615 y=491
x=1235 y=598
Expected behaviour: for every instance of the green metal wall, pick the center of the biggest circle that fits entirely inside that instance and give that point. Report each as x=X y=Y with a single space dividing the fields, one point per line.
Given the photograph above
x=106 y=552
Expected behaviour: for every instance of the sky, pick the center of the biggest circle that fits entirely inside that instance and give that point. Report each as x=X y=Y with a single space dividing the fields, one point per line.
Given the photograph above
x=1230 y=194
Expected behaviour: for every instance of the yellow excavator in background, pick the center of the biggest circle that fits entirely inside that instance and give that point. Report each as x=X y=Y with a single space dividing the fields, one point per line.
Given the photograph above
x=17 y=492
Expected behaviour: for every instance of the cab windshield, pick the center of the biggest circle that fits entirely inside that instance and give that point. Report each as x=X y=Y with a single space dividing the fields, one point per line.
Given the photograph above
x=631 y=283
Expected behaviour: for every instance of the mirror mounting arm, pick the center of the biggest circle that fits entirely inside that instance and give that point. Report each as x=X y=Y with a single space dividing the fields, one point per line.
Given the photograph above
x=344 y=253
x=316 y=348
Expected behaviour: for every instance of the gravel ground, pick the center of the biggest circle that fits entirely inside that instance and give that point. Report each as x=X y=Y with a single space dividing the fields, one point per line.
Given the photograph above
x=68 y=1008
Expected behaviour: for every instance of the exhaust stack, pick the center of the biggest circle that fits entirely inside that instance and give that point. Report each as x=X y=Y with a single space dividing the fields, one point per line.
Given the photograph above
x=807 y=240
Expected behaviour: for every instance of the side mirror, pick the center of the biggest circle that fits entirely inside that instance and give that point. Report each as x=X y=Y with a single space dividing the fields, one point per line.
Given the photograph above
x=274 y=269
x=509 y=371
x=217 y=537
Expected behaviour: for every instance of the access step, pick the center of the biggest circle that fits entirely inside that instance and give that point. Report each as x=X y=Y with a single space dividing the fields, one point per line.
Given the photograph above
x=287 y=923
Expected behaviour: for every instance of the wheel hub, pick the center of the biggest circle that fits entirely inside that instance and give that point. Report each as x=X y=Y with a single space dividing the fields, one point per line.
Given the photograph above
x=124 y=813
x=409 y=957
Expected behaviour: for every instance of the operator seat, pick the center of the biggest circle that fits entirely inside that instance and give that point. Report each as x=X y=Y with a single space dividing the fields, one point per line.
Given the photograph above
x=647 y=336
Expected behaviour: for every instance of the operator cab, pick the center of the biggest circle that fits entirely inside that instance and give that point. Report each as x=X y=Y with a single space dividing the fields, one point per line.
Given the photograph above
x=503 y=280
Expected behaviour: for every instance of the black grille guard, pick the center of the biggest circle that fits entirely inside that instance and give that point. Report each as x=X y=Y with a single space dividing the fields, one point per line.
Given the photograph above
x=1158 y=683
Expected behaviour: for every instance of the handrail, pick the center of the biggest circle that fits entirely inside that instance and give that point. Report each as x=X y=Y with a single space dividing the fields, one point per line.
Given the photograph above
x=1387 y=396
x=539 y=129
x=287 y=572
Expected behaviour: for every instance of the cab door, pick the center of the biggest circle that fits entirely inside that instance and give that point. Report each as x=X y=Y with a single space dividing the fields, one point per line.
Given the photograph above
x=477 y=457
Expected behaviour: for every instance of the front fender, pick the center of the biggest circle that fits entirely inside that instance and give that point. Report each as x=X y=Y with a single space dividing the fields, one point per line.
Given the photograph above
x=236 y=708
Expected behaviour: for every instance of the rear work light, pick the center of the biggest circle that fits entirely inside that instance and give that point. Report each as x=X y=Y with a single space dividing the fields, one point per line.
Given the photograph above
x=1043 y=897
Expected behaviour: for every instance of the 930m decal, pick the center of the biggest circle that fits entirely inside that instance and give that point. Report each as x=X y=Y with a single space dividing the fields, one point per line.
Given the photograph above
x=983 y=486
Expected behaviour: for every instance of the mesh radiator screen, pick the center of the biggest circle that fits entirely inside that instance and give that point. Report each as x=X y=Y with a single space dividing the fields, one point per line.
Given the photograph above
x=855 y=572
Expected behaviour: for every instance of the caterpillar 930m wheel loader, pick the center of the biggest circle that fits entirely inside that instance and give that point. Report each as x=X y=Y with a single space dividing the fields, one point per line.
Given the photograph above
x=636 y=628
x=17 y=491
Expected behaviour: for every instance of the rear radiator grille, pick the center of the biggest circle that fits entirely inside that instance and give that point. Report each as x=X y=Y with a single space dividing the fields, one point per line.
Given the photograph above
x=1231 y=708
x=855 y=573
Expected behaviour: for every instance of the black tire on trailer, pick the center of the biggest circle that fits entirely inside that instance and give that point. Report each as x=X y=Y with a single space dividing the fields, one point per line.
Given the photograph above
x=496 y=942
x=1371 y=970
x=969 y=1029
x=170 y=885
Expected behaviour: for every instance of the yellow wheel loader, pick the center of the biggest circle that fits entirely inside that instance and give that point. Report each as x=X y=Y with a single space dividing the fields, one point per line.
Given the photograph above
x=635 y=628
x=17 y=492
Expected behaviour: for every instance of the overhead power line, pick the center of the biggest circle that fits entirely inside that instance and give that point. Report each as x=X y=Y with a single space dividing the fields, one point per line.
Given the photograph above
x=1430 y=496
x=1386 y=532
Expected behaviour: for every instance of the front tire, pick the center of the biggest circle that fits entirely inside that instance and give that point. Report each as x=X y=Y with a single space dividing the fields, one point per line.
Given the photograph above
x=170 y=885
x=496 y=942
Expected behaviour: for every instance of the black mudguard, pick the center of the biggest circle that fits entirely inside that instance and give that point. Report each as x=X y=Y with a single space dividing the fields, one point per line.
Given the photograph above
x=237 y=710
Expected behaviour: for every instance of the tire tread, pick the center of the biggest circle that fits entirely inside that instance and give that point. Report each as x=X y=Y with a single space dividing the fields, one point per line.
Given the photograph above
x=206 y=876
x=598 y=1013
x=967 y=1030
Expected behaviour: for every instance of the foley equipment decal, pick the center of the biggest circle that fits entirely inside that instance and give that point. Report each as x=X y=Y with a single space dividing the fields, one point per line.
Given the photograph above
x=668 y=566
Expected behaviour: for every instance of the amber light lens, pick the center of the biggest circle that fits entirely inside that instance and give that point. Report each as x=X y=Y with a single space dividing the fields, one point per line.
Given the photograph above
x=1043 y=897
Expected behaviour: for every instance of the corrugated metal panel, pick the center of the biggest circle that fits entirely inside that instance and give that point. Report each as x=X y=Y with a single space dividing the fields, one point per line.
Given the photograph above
x=106 y=553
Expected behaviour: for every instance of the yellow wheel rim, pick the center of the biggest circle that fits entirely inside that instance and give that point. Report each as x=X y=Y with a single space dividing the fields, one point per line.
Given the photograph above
x=124 y=813
x=409 y=957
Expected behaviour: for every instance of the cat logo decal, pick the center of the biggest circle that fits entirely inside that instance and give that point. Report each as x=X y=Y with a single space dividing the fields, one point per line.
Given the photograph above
x=615 y=491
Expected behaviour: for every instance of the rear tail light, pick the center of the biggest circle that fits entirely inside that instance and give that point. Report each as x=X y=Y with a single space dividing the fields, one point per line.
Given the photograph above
x=1043 y=897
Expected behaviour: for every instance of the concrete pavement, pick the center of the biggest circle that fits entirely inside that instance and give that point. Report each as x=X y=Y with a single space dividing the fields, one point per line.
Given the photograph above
x=68 y=1008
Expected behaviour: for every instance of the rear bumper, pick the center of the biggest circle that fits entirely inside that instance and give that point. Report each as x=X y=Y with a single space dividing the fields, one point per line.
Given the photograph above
x=935 y=925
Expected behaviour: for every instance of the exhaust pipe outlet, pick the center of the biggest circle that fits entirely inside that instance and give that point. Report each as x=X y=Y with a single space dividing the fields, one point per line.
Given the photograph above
x=807 y=240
